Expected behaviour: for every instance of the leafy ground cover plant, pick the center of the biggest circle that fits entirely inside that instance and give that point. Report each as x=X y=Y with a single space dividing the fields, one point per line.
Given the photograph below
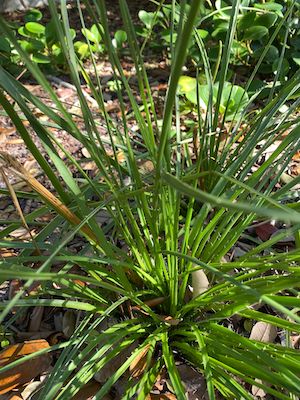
x=157 y=271
x=233 y=100
x=39 y=40
x=257 y=22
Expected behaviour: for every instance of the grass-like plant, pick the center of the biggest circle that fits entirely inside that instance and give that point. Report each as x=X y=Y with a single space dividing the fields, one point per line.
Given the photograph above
x=176 y=206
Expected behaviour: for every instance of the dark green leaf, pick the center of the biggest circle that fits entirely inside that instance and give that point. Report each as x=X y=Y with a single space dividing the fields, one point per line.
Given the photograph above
x=270 y=6
x=284 y=67
x=271 y=56
x=255 y=32
x=267 y=19
x=4 y=45
x=246 y=21
x=41 y=58
x=33 y=15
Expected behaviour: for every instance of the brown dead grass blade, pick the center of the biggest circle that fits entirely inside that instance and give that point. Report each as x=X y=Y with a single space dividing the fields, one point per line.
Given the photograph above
x=18 y=207
x=23 y=373
x=14 y=166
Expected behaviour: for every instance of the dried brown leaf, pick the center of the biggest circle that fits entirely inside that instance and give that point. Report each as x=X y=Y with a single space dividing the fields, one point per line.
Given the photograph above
x=89 y=391
x=146 y=167
x=155 y=302
x=7 y=131
x=69 y=322
x=30 y=389
x=111 y=367
x=23 y=234
x=200 y=282
x=165 y=396
x=296 y=156
x=170 y=320
x=295 y=170
x=89 y=166
x=263 y=332
x=265 y=231
x=14 y=286
x=36 y=319
x=22 y=373
x=139 y=364
x=85 y=152
x=295 y=341
x=14 y=166
x=257 y=391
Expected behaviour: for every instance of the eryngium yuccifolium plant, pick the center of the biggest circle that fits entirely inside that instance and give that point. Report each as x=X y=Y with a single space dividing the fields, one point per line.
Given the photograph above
x=157 y=221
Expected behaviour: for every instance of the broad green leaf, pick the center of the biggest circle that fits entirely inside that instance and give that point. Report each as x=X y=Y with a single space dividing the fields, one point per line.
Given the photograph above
x=271 y=56
x=147 y=18
x=35 y=28
x=202 y=33
x=24 y=32
x=32 y=45
x=119 y=38
x=296 y=58
x=167 y=37
x=33 y=15
x=270 y=6
x=284 y=67
x=256 y=32
x=266 y=19
x=51 y=33
x=41 y=58
x=4 y=45
x=95 y=31
x=233 y=99
x=72 y=33
x=246 y=21
x=82 y=49
x=89 y=35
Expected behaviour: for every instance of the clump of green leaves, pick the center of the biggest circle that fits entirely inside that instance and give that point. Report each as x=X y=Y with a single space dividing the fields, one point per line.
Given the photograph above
x=40 y=41
x=233 y=100
x=178 y=202
x=256 y=24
